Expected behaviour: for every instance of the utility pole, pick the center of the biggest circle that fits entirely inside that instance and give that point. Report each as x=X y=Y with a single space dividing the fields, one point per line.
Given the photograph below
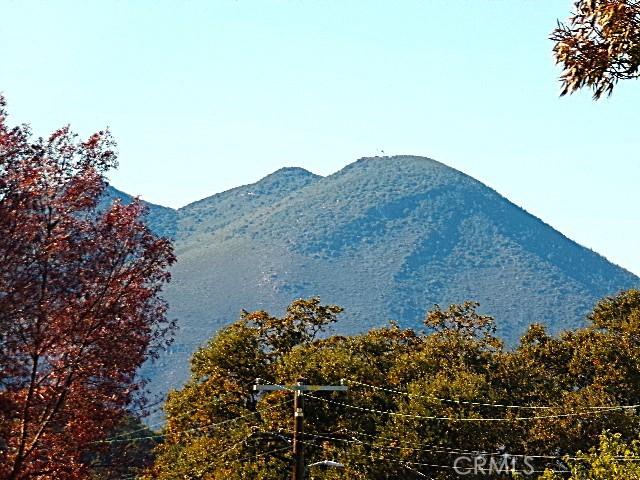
x=298 y=431
x=298 y=416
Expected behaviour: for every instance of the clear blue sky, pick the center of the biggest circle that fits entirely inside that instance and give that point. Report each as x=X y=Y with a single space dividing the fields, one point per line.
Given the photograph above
x=203 y=96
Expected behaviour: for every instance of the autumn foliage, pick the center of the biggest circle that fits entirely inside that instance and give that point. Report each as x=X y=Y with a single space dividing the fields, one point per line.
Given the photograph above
x=599 y=45
x=79 y=304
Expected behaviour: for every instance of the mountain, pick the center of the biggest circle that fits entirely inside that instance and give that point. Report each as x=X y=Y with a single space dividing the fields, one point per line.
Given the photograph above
x=162 y=220
x=211 y=214
x=386 y=238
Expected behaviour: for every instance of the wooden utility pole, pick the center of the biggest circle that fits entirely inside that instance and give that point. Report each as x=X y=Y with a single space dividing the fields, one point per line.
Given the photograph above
x=298 y=416
x=298 y=431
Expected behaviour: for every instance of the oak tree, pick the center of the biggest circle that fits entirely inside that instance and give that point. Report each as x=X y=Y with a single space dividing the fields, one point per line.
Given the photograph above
x=611 y=459
x=417 y=400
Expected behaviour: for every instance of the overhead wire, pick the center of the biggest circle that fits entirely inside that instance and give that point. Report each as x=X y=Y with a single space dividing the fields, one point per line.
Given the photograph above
x=475 y=453
x=190 y=430
x=428 y=445
x=587 y=411
x=467 y=419
x=361 y=442
x=258 y=455
x=396 y=460
x=417 y=447
x=159 y=423
x=478 y=404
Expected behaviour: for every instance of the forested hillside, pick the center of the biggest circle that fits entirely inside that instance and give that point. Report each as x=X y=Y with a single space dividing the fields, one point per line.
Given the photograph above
x=386 y=238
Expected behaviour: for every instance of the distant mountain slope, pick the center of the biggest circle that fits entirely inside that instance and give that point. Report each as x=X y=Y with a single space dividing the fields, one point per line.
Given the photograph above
x=212 y=213
x=386 y=238
x=162 y=220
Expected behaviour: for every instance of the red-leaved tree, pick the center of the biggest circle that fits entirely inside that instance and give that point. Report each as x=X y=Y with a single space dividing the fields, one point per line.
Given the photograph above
x=79 y=304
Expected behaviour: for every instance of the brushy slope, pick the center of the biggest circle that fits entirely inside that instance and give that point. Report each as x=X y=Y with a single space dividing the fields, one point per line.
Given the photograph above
x=386 y=238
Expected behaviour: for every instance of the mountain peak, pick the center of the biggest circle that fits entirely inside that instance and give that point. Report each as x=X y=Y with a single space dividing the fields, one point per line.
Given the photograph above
x=214 y=212
x=286 y=178
x=292 y=171
x=397 y=158
x=385 y=238
x=399 y=166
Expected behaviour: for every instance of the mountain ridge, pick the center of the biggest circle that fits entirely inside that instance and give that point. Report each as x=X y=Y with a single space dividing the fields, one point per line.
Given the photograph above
x=384 y=237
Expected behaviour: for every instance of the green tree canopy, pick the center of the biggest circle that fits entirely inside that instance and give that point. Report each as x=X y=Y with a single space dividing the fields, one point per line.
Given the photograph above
x=612 y=459
x=417 y=401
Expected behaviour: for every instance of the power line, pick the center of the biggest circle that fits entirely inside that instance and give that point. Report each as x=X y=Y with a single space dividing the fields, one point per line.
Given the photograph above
x=587 y=411
x=179 y=415
x=258 y=455
x=195 y=429
x=452 y=467
x=440 y=447
x=390 y=447
x=299 y=388
x=220 y=452
x=437 y=449
x=414 y=446
x=468 y=419
x=478 y=404
x=475 y=453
